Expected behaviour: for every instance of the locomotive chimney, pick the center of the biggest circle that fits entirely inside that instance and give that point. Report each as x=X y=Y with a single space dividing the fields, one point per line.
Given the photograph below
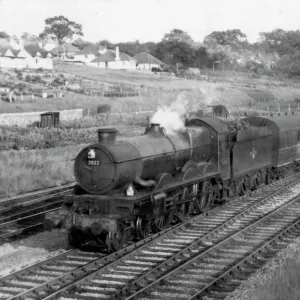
x=107 y=135
x=155 y=127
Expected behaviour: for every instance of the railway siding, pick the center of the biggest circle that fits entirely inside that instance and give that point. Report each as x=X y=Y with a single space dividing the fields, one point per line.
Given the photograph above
x=23 y=213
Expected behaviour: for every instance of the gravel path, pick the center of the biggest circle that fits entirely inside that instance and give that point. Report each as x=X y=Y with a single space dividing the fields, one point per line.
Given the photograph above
x=19 y=254
x=250 y=289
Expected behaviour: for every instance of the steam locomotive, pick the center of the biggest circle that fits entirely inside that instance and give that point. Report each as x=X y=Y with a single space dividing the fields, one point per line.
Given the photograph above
x=129 y=189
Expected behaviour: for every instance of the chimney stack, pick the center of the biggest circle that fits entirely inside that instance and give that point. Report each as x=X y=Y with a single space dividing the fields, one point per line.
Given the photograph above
x=107 y=135
x=117 y=54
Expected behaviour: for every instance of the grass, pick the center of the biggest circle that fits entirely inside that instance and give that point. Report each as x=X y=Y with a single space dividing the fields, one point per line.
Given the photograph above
x=24 y=171
x=154 y=91
x=284 y=284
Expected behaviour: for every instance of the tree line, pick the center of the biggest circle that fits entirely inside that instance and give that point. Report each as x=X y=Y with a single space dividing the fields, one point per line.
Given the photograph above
x=275 y=51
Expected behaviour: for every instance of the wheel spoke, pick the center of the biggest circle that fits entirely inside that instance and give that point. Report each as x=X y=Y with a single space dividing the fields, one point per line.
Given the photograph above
x=204 y=201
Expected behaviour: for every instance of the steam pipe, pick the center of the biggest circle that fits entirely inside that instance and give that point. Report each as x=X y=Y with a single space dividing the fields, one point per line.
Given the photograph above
x=144 y=183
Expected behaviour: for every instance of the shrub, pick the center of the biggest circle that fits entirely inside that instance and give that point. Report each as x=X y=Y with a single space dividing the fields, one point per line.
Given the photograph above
x=104 y=108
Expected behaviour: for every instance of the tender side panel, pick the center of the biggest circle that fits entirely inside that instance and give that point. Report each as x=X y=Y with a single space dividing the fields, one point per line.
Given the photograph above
x=251 y=154
x=289 y=146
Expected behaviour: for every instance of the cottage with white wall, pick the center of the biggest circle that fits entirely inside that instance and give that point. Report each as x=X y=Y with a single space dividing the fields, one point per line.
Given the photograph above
x=114 y=59
x=18 y=56
x=86 y=55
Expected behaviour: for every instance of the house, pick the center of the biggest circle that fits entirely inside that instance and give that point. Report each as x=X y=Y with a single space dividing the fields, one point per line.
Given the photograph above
x=65 y=51
x=39 y=58
x=17 y=56
x=114 y=59
x=146 y=61
x=88 y=54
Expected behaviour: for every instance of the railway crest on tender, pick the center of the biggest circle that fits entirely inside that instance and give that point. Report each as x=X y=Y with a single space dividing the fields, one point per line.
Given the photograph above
x=91 y=154
x=253 y=152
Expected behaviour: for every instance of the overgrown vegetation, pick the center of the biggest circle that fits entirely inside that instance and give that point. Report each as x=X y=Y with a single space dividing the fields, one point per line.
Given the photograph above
x=284 y=284
x=24 y=171
x=70 y=133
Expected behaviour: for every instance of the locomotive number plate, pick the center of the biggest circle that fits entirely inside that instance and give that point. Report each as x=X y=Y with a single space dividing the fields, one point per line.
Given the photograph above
x=93 y=162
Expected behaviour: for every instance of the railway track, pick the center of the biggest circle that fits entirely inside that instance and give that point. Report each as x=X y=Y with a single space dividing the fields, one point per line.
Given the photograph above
x=148 y=269
x=21 y=214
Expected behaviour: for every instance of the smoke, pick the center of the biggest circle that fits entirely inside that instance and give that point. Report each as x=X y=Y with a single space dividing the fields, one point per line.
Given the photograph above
x=172 y=117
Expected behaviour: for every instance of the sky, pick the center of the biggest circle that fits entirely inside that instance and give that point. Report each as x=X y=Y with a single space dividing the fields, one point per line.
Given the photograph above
x=149 y=20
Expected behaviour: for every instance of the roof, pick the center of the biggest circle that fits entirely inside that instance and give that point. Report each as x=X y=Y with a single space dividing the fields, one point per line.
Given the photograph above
x=280 y=122
x=218 y=125
x=34 y=48
x=65 y=47
x=146 y=58
x=110 y=55
x=4 y=46
x=88 y=50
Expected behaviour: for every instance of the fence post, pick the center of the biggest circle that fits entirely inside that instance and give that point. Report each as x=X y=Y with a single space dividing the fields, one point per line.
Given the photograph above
x=289 y=108
x=278 y=107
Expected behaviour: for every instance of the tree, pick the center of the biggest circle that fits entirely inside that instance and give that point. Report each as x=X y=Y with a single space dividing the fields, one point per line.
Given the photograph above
x=177 y=36
x=173 y=52
x=289 y=64
x=234 y=38
x=280 y=41
x=60 y=28
x=29 y=37
x=3 y=35
x=81 y=44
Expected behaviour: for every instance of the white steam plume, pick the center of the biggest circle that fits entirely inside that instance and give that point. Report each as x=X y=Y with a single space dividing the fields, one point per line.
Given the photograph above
x=172 y=117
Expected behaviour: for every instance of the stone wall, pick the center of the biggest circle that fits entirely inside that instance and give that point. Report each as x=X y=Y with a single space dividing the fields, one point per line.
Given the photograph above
x=29 y=118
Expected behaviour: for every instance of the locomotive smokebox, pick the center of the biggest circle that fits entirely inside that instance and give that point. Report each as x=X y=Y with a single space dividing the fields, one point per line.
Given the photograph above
x=107 y=135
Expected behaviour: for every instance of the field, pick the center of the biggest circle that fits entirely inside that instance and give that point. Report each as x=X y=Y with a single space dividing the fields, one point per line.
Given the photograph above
x=229 y=88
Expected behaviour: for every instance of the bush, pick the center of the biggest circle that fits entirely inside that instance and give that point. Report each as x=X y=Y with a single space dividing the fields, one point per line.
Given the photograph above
x=104 y=108
x=154 y=69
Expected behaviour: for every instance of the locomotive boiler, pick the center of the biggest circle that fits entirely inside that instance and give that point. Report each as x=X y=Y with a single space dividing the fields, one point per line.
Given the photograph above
x=109 y=165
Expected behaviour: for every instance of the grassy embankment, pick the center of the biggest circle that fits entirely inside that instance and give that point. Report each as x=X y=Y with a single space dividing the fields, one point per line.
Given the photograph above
x=284 y=284
x=157 y=91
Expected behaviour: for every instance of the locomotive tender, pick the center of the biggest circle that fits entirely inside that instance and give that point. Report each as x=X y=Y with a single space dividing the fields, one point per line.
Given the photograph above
x=128 y=189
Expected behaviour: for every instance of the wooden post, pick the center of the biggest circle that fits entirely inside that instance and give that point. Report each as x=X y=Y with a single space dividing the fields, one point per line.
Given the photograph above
x=278 y=107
